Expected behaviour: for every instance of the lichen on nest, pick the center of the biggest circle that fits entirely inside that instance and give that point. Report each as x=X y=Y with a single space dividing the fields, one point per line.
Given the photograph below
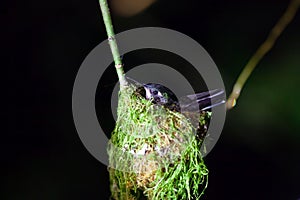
x=154 y=153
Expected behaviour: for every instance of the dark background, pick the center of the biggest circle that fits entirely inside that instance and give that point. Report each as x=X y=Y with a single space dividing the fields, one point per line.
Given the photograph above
x=43 y=45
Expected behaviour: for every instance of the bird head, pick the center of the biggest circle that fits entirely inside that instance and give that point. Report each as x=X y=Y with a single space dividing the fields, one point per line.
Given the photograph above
x=159 y=93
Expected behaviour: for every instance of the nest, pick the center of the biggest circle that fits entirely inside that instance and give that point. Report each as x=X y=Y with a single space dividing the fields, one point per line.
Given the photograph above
x=154 y=152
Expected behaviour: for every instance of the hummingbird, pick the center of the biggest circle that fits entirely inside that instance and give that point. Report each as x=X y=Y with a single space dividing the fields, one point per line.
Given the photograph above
x=162 y=95
x=192 y=106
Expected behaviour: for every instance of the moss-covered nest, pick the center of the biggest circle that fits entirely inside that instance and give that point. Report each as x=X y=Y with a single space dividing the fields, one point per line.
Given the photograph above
x=154 y=153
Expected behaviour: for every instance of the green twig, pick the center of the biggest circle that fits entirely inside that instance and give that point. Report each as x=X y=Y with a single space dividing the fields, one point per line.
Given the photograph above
x=112 y=42
x=286 y=18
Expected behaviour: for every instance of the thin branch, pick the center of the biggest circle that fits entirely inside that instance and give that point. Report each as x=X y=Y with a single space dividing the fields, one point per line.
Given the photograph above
x=112 y=42
x=286 y=18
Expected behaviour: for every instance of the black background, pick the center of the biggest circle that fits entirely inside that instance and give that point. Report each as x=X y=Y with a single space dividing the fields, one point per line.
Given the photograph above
x=43 y=44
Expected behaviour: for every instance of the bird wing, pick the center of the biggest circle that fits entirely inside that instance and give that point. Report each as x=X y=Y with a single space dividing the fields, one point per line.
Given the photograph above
x=202 y=101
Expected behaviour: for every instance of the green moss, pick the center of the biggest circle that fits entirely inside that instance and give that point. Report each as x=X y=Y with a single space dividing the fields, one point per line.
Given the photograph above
x=154 y=152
